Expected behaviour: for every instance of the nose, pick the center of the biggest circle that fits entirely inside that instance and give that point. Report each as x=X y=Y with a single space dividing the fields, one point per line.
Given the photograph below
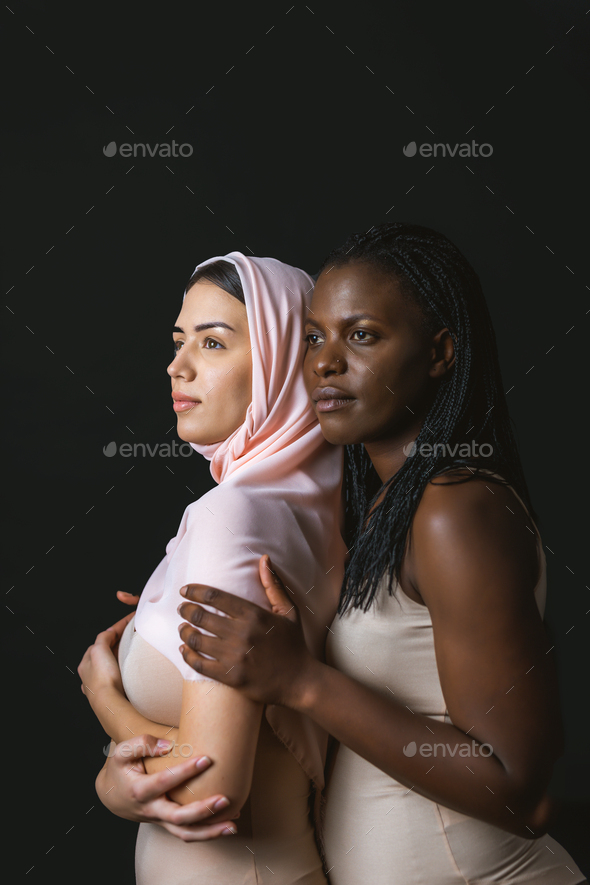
x=329 y=361
x=181 y=366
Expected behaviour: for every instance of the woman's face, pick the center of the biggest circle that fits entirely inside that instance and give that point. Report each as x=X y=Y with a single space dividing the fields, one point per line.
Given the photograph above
x=213 y=364
x=370 y=366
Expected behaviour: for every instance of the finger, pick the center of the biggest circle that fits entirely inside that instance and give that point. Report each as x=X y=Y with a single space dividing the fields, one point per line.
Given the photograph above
x=140 y=745
x=108 y=637
x=229 y=603
x=127 y=598
x=154 y=786
x=213 y=669
x=196 y=615
x=195 y=812
x=188 y=834
x=275 y=589
x=197 y=641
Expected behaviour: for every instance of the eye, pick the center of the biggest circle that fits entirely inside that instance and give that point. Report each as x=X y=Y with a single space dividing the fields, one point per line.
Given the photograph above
x=312 y=338
x=362 y=332
x=175 y=347
x=212 y=344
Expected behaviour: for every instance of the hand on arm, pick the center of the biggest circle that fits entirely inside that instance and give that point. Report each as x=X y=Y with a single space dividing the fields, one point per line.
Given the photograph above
x=123 y=784
x=127 y=791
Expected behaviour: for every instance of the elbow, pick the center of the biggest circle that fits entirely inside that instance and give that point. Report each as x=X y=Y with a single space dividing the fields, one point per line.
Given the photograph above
x=540 y=817
x=535 y=810
x=195 y=790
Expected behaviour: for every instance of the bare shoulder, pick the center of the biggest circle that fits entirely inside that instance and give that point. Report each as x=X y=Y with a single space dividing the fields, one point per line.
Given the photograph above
x=458 y=497
x=471 y=523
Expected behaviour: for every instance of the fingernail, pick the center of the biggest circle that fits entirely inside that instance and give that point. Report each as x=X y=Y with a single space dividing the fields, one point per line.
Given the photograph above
x=203 y=762
x=229 y=832
x=181 y=648
x=183 y=591
x=179 y=607
x=221 y=803
x=164 y=743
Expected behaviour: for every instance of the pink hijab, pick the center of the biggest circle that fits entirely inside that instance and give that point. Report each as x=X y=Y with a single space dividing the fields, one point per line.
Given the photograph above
x=278 y=492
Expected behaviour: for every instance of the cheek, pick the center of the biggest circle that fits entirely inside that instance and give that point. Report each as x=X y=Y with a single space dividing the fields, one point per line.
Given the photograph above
x=404 y=373
x=235 y=385
x=308 y=376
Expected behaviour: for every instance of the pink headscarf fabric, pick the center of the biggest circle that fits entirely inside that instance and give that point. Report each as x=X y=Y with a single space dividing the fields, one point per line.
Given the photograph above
x=278 y=492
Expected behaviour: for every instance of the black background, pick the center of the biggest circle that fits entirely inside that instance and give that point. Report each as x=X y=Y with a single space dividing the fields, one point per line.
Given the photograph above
x=297 y=117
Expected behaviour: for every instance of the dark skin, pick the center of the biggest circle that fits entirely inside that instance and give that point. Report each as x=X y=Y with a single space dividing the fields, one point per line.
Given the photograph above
x=469 y=559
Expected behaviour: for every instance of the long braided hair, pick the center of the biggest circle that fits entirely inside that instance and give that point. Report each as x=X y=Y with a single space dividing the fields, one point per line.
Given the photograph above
x=469 y=410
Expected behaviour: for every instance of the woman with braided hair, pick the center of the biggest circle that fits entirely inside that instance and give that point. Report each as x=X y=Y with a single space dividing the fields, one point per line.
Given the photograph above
x=439 y=686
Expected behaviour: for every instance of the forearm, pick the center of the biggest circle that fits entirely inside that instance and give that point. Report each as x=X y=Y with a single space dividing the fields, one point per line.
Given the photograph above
x=120 y=719
x=378 y=728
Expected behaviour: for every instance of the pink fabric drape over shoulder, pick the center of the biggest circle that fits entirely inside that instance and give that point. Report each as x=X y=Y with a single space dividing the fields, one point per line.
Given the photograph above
x=278 y=492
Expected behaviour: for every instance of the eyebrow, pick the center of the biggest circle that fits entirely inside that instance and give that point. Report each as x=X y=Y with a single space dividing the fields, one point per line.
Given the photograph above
x=202 y=326
x=351 y=319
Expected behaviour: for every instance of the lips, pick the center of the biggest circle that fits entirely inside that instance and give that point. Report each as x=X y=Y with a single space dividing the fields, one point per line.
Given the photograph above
x=183 y=402
x=329 y=393
x=331 y=399
x=180 y=397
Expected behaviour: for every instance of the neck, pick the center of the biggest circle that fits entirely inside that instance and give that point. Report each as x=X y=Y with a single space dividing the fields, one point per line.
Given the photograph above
x=388 y=456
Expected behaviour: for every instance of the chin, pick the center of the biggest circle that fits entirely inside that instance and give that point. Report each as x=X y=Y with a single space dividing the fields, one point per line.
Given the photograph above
x=337 y=436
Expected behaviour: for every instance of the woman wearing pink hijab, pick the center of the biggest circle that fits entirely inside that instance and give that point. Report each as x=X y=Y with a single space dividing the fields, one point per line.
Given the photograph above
x=241 y=402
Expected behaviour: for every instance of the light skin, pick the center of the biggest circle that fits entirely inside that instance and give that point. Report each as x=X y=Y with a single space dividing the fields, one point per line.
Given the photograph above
x=213 y=365
x=473 y=565
x=126 y=790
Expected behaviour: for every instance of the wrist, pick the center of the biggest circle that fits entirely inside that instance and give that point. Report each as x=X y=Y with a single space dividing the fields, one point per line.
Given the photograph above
x=305 y=690
x=102 y=694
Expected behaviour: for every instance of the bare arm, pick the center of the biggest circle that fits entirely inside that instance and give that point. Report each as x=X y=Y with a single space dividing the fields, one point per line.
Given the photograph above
x=120 y=719
x=225 y=724
x=128 y=784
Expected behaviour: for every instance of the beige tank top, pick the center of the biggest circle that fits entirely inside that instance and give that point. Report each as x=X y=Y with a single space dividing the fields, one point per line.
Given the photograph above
x=375 y=829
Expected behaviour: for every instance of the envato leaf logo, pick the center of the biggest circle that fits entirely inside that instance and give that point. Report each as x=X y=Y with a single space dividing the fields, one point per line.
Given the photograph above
x=410 y=749
x=110 y=450
x=410 y=149
x=109 y=750
x=110 y=150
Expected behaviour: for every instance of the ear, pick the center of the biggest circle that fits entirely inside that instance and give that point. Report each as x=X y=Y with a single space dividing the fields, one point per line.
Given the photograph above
x=443 y=354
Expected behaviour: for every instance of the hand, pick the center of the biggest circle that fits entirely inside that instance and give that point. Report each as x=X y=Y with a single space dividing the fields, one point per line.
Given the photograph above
x=260 y=652
x=125 y=789
x=99 y=666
